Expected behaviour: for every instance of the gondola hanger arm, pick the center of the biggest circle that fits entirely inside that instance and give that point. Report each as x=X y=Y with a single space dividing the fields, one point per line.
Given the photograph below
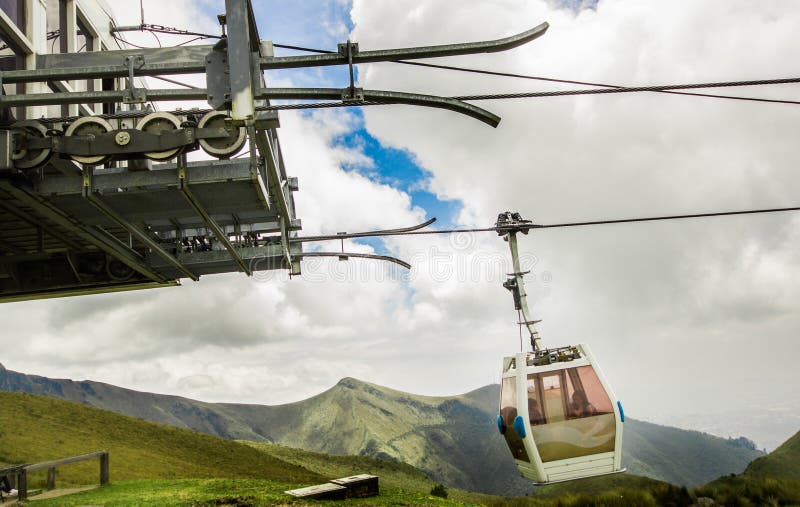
x=386 y=55
x=346 y=235
x=367 y=97
x=344 y=255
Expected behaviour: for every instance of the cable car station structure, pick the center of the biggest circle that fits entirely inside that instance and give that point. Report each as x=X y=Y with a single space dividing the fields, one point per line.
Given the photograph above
x=96 y=193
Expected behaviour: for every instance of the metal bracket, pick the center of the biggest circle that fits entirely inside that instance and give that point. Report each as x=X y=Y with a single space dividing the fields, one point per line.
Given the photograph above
x=127 y=143
x=353 y=95
x=5 y=150
x=348 y=50
x=134 y=95
x=508 y=225
x=218 y=73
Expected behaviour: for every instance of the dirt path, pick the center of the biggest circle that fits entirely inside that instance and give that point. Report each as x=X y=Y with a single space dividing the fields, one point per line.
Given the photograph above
x=55 y=493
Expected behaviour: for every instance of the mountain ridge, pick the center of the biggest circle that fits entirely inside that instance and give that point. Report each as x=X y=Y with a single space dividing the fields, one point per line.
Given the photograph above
x=451 y=438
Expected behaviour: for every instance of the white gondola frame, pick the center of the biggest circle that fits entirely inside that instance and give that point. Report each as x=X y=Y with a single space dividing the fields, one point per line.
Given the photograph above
x=570 y=468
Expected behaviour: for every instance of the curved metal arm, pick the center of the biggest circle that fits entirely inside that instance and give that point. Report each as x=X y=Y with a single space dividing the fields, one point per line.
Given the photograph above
x=384 y=97
x=359 y=255
x=417 y=99
x=383 y=232
x=467 y=48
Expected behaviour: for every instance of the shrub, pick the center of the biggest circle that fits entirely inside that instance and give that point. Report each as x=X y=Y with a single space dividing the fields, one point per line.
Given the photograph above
x=439 y=490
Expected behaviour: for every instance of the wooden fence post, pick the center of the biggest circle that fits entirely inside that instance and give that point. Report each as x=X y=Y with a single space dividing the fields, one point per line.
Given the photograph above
x=51 y=478
x=104 y=468
x=22 y=485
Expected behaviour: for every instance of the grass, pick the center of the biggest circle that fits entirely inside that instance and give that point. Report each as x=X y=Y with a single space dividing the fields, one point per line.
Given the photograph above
x=745 y=491
x=156 y=464
x=218 y=492
x=35 y=429
x=783 y=462
x=597 y=485
x=393 y=474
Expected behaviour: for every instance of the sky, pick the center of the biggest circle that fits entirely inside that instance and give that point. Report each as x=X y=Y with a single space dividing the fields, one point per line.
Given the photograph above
x=694 y=323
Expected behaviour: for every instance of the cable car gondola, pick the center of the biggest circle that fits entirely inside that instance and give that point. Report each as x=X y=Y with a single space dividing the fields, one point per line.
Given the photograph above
x=558 y=414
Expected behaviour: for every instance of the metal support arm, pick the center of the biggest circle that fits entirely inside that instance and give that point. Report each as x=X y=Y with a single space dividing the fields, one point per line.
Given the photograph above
x=387 y=55
x=191 y=59
x=508 y=225
x=220 y=234
x=152 y=244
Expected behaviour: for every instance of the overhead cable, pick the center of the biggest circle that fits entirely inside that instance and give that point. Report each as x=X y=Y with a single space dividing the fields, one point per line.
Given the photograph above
x=303 y=239
x=552 y=80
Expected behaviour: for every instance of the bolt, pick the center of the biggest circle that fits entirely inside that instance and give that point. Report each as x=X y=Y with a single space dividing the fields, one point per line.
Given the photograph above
x=122 y=138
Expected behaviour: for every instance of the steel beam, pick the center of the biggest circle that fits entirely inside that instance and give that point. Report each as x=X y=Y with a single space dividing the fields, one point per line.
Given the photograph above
x=33 y=223
x=382 y=96
x=183 y=186
x=387 y=55
x=389 y=97
x=160 y=176
x=31 y=257
x=260 y=258
x=6 y=246
x=110 y=96
x=84 y=290
x=191 y=59
x=141 y=235
x=15 y=35
x=98 y=239
x=387 y=258
x=276 y=183
x=240 y=59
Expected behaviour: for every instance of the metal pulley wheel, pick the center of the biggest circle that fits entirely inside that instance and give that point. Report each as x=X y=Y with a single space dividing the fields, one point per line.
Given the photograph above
x=29 y=158
x=221 y=147
x=89 y=126
x=156 y=123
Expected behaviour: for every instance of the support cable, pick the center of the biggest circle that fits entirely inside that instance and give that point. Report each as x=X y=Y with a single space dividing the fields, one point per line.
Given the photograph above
x=302 y=239
x=548 y=79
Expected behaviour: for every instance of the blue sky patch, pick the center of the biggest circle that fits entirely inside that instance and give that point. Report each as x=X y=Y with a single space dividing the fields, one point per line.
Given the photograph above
x=322 y=24
x=399 y=169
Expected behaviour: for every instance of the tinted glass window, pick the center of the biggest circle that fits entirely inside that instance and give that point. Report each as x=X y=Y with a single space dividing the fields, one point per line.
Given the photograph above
x=578 y=419
x=508 y=412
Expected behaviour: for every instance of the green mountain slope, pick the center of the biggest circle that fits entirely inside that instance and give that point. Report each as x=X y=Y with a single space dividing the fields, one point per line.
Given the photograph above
x=783 y=462
x=35 y=429
x=453 y=439
x=682 y=457
x=773 y=479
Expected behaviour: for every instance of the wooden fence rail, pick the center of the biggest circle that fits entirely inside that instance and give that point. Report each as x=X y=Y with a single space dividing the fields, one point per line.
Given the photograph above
x=20 y=472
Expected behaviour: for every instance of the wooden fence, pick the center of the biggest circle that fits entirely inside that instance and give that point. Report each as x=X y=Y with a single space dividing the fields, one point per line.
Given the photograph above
x=19 y=473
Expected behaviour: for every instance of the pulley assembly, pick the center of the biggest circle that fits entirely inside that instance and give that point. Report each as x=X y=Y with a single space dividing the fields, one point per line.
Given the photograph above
x=95 y=140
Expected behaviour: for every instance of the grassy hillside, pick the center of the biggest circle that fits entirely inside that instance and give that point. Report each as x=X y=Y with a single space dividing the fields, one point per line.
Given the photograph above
x=393 y=474
x=209 y=418
x=783 y=462
x=34 y=429
x=453 y=439
x=688 y=458
x=158 y=464
x=773 y=479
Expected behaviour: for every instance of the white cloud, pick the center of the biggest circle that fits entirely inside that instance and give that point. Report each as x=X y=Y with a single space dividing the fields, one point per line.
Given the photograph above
x=669 y=308
x=673 y=310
